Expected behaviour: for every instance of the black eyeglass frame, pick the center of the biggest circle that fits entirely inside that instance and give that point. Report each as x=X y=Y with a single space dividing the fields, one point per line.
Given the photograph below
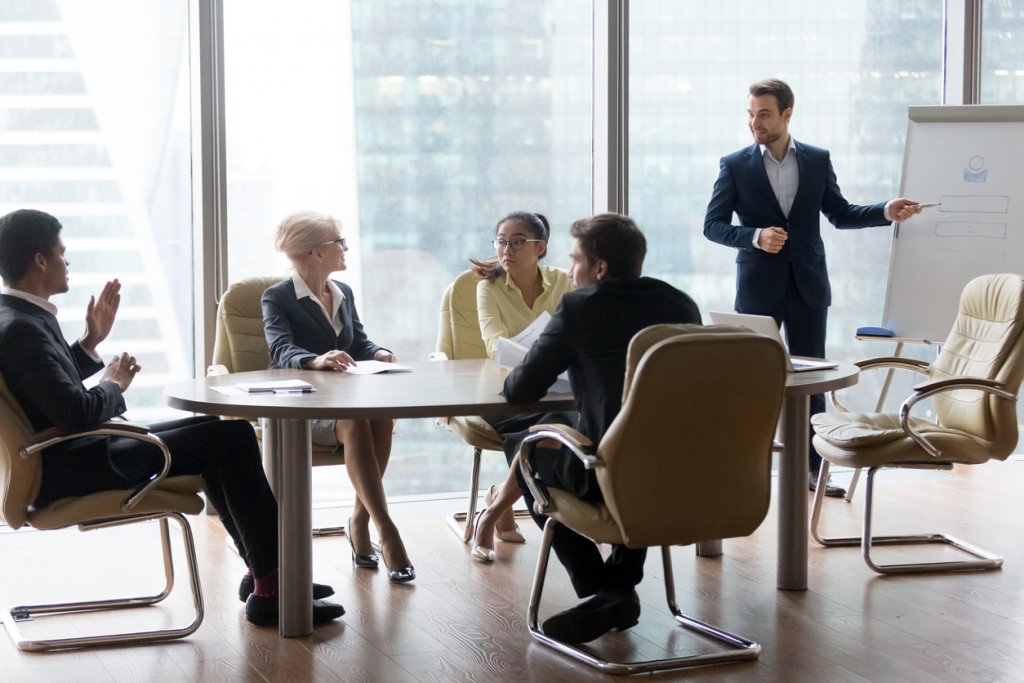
x=514 y=244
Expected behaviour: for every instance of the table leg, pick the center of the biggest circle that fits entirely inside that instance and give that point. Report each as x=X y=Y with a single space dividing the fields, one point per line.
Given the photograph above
x=792 y=548
x=292 y=464
x=709 y=549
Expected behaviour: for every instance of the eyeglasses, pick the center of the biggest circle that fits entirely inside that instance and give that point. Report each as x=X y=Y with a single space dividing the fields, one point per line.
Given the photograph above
x=341 y=241
x=516 y=244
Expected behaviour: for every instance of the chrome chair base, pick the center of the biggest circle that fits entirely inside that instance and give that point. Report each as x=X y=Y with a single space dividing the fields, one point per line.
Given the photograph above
x=461 y=522
x=985 y=559
x=740 y=648
x=14 y=616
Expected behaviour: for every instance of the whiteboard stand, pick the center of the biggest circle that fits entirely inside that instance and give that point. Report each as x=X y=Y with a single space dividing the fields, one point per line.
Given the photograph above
x=900 y=341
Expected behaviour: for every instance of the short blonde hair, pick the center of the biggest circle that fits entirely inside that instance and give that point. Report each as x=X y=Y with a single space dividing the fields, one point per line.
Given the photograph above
x=299 y=233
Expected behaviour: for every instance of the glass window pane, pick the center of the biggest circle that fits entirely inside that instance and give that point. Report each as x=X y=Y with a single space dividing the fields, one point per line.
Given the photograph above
x=95 y=129
x=419 y=124
x=691 y=64
x=1002 y=71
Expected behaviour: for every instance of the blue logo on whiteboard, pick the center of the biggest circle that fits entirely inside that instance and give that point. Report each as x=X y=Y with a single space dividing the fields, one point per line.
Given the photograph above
x=976 y=171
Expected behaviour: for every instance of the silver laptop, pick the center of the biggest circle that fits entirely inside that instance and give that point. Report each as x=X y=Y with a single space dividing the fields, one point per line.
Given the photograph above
x=765 y=325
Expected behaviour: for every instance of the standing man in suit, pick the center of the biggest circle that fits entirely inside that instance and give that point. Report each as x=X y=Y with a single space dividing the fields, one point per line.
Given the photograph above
x=588 y=336
x=44 y=373
x=777 y=188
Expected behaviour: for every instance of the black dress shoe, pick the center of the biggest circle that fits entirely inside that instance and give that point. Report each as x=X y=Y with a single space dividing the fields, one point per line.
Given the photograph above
x=265 y=611
x=595 y=617
x=830 y=490
x=245 y=589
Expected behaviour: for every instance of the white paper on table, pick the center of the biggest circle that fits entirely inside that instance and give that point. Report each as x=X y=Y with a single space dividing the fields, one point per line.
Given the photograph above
x=229 y=390
x=372 y=367
x=298 y=386
x=509 y=354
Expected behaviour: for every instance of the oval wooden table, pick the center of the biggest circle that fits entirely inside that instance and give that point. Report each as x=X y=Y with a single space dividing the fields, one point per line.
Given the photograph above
x=431 y=389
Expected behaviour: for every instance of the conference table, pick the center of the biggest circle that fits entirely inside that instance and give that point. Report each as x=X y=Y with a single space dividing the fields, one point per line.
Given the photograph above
x=791 y=562
x=448 y=389
x=428 y=389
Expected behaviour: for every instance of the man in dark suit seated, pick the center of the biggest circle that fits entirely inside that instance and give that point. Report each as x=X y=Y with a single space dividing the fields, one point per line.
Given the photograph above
x=588 y=336
x=44 y=373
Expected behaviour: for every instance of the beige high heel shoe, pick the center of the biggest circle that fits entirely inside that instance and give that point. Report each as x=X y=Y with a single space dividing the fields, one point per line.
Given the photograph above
x=512 y=535
x=480 y=553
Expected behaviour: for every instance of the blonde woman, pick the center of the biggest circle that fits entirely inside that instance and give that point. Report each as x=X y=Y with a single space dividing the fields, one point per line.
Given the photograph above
x=514 y=290
x=310 y=322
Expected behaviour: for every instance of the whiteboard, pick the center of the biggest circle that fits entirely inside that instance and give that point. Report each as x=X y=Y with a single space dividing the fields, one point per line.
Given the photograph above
x=971 y=159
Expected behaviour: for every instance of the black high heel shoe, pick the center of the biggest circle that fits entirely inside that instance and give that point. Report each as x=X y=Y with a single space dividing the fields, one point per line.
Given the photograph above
x=363 y=561
x=401 y=575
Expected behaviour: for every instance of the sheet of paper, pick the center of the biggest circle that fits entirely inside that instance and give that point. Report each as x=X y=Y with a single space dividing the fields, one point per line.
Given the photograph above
x=530 y=334
x=509 y=354
x=229 y=390
x=371 y=367
x=276 y=385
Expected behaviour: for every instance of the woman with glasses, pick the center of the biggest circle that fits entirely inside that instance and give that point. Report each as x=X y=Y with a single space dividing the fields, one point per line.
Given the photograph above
x=310 y=322
x=513 y=291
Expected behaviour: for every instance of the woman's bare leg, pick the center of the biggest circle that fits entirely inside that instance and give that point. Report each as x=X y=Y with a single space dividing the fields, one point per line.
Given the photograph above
x=365 y=465
x=507 y=493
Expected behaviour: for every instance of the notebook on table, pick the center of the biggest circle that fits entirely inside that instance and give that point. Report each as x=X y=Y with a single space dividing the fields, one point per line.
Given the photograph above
x=765 y=325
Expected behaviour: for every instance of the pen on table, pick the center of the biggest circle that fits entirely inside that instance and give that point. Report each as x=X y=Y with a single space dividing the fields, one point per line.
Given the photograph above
x=291 y=391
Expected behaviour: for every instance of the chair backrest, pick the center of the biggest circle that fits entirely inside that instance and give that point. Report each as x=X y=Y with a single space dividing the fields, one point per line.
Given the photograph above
x=458 y=330
x=987 y=340
x=19 y=477
x=239 y=343
x=688 y=458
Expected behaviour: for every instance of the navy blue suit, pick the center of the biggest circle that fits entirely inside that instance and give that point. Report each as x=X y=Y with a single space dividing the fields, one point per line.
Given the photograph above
x=792 y=286
x=297 y=329
x=743 y=189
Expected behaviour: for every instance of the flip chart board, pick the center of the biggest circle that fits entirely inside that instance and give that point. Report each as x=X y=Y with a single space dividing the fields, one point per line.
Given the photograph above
x=969 y=160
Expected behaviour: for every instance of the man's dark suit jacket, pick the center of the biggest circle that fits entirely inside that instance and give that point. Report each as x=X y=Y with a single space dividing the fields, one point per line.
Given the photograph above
x=297 y=328
x=589 y=335
x=743 y=188
x=45 y=375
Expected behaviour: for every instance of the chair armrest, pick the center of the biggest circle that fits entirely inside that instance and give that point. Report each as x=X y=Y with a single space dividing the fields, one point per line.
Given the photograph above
x=893 y=362
x=131 y=430
x=927 y=389
x=217 y=370
x=577 y=443
x=890 y=362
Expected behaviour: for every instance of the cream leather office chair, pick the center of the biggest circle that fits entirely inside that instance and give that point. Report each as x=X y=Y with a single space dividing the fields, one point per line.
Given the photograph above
x=163 y=499
x=458 y=336
x=240 y=346
x=688 y=459
x=973 y=385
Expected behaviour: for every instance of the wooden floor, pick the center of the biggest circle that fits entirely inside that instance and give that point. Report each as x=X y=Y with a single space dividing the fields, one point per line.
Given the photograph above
x=461 y=621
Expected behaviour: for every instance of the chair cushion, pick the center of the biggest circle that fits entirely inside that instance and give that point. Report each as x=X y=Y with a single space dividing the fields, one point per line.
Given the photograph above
x=476 y=432
x=591 y=520
x=872 y=439
x=174 y=494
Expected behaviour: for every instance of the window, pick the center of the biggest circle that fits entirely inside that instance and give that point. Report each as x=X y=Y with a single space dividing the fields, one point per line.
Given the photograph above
x=691 y=64
x=1002 y=72
x=94 y=128
x=419 y=124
